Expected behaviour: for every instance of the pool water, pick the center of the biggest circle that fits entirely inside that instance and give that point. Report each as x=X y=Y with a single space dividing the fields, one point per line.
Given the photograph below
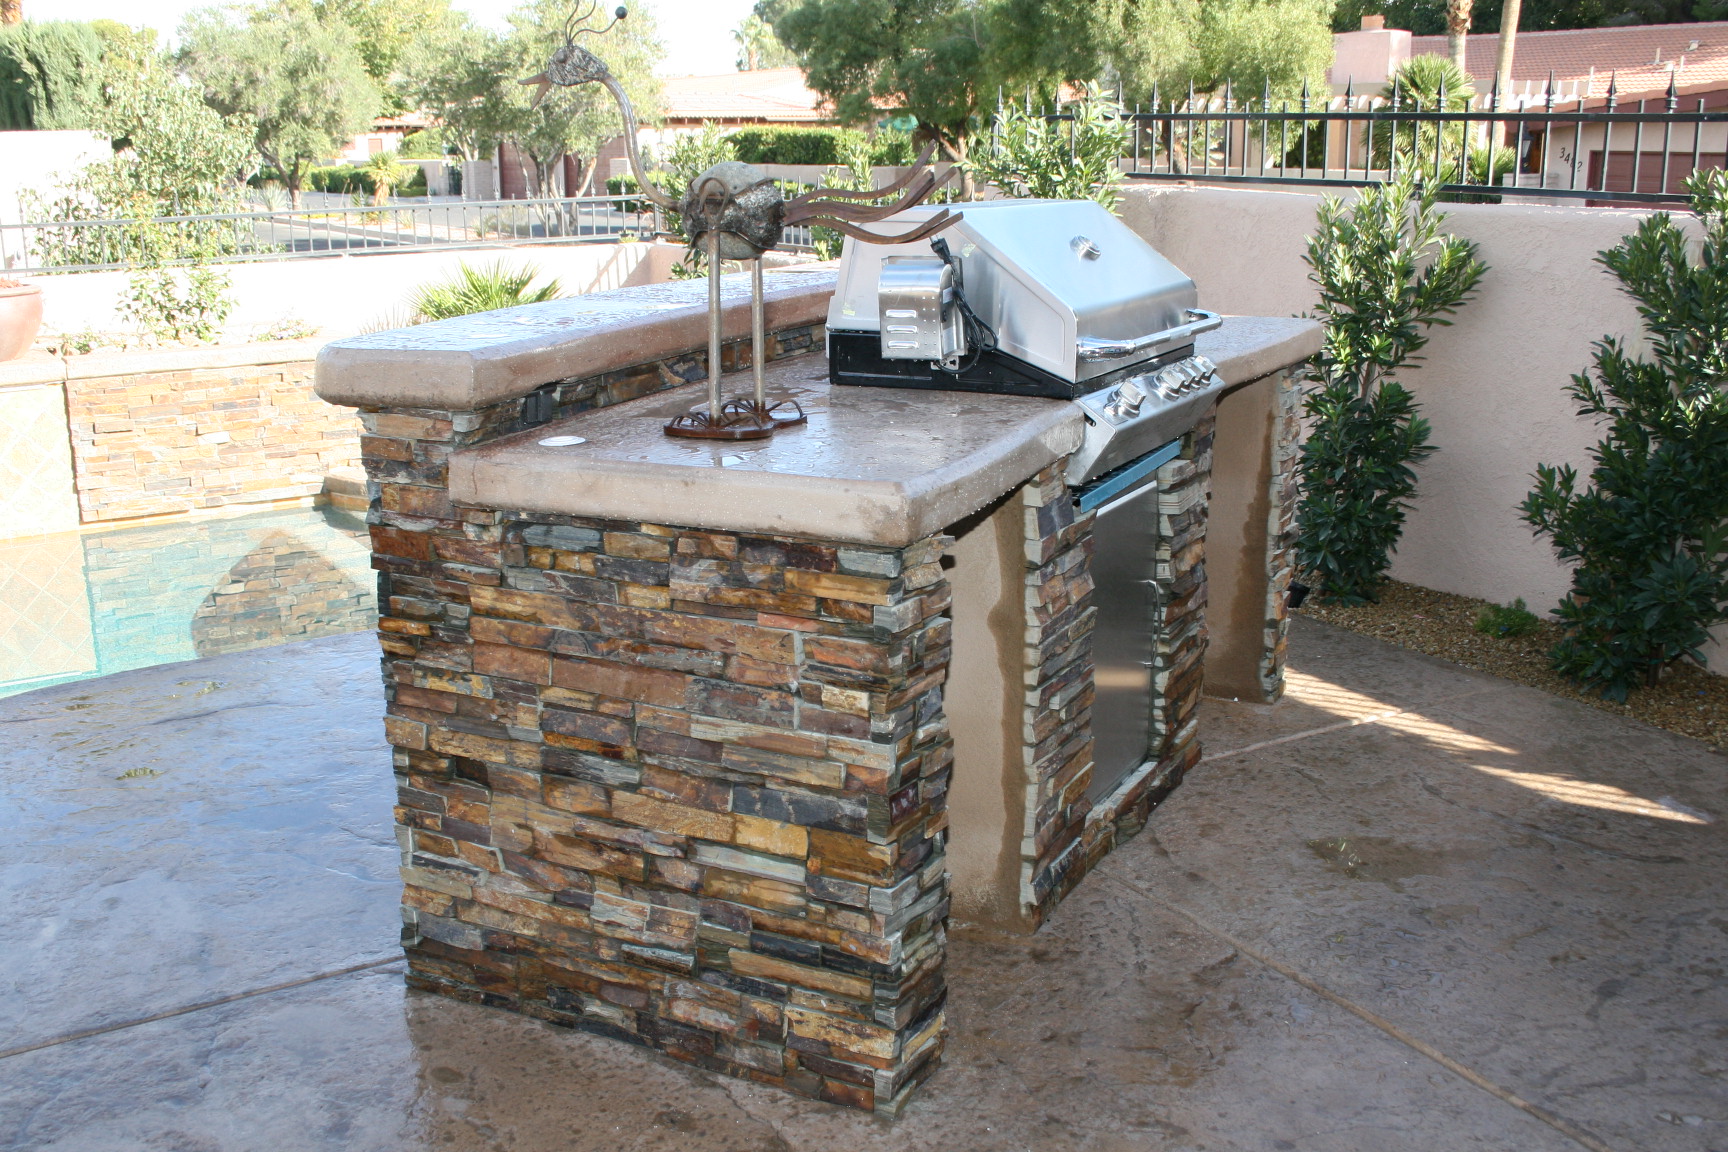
x=77 y=605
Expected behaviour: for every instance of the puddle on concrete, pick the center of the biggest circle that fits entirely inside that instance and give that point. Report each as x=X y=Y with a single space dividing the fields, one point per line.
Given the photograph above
x=79 y=605
x=1379 y=858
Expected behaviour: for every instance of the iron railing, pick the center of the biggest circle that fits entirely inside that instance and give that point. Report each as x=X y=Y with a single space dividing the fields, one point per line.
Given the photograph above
x=1601 y=150
x=46 y=246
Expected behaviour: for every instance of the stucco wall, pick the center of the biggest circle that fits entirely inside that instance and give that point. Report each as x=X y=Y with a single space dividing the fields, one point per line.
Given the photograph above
x=1493 y=384
x=33 y=160
x=343 y=295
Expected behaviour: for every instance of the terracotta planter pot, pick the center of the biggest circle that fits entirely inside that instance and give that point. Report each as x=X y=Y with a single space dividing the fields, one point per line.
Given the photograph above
x=20 y=317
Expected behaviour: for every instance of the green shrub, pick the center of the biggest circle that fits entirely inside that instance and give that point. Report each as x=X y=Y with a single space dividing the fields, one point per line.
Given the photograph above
x=178 y=304
x=342 y=179
x=790 y=145
x=1646 y=534
x=49 y=75
x=1386 y=274
x=481 y=290
x=891 y=147
x=1028 y=155
x=625 y=185
x=1507 y=620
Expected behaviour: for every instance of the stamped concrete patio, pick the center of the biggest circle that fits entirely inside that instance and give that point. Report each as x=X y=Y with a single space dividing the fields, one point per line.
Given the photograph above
x=1410 y=908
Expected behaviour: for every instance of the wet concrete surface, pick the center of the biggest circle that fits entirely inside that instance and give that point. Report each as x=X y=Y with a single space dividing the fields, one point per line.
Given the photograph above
x=1412 y=908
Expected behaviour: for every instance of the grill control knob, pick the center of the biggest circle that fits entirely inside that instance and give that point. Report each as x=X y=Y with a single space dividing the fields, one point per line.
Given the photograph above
x=1169 y=382
x=1130 y=395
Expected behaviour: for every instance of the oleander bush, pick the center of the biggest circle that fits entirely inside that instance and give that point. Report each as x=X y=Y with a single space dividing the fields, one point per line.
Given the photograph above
x=1387 y=274
x=1644 y=533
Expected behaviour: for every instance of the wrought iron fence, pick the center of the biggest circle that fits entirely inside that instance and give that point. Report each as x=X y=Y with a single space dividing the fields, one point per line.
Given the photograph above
x=1600 y=150
x=47 y=246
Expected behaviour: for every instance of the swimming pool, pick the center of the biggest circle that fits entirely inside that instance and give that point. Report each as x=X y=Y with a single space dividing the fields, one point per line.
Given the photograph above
x=82 y=604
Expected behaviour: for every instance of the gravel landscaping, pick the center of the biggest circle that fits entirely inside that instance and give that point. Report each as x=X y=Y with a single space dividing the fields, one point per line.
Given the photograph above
x=1689 y=700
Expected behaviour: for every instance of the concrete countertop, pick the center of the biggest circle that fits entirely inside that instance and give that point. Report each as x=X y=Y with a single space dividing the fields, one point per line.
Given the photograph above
x=468 y=362
x=884 y=466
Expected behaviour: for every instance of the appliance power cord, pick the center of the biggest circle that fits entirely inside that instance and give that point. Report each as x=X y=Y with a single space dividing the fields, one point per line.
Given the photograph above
x=980 y=337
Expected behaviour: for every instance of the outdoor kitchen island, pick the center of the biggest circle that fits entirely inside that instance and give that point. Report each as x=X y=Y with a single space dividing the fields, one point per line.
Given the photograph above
x=700 y=744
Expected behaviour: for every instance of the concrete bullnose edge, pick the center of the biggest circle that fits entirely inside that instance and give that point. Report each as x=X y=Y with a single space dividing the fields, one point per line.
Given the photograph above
x=853 y=511
x=367 y=372
x=1249 y=347
x=102 y=364
x=32 y=369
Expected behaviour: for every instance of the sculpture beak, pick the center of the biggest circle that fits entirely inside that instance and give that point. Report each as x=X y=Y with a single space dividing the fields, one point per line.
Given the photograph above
x=544 y=84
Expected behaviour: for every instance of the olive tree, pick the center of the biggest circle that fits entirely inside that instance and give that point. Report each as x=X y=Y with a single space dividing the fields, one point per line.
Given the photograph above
x=574 y=121
x=298 y=80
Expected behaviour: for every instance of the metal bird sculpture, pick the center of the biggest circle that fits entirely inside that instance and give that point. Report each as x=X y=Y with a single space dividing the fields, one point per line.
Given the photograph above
x=735 y=211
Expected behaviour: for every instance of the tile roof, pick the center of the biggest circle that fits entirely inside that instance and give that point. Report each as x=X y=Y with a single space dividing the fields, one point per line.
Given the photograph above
x=1643 y=57
x=769 y=95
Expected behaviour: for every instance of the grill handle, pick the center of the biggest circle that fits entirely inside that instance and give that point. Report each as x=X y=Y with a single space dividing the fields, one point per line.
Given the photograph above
x=1093 y=348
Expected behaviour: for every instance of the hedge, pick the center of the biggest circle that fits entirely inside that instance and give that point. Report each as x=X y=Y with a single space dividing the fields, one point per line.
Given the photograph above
x=789 y=145
x=48 y=75
x=826 y=146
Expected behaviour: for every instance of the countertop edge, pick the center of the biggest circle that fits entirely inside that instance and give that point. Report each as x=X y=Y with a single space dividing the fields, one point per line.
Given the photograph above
x=1292 y=340
x=705 y=499
x=465 y=379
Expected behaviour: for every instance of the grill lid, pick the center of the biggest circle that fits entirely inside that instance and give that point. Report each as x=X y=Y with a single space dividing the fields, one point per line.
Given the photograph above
x=1066 y=286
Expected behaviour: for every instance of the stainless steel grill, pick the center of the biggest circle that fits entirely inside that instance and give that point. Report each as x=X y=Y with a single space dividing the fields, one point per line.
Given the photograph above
x=1053 y=298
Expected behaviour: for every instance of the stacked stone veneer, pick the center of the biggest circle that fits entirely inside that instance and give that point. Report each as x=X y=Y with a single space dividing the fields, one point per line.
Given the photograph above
x=684 y=788
x=152 y=443
x=688 y=788
x=1281 y=527
x=1067 y=834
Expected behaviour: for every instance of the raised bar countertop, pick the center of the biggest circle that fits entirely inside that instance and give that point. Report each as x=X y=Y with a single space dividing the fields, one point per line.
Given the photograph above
x=468 y=362
x=883 y=466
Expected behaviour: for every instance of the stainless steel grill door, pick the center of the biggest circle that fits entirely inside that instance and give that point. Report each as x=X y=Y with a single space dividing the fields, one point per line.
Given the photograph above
x=1123 y=566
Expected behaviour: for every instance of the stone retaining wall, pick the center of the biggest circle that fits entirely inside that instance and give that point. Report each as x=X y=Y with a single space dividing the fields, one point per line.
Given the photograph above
x=121 y=436
x=151 y=443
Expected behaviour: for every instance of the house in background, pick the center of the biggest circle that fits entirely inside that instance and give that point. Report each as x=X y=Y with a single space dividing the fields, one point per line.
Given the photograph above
x=1572 y=71
x=385 y=135
x=767 y=96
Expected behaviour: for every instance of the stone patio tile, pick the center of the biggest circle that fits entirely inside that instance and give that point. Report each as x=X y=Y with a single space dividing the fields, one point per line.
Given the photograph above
x=1571 y=954
x=1338 y=679
x=186 y=832
x=1526 y=883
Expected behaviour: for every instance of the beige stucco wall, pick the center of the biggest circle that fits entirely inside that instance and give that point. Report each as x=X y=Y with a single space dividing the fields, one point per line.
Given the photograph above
x=343 y=295
x=1493 y=384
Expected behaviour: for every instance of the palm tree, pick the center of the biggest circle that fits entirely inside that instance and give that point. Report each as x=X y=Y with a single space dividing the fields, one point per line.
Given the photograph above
x=482 y=289
x=1436 y=84
x=1508 y=42
x=386 y=172
x=1457 y=29
x=1422 y=84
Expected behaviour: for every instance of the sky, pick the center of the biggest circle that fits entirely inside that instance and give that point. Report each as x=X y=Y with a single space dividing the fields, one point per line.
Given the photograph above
x=697 y=33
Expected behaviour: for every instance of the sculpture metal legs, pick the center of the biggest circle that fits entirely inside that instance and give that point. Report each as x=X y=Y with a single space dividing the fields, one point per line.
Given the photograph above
x=739 y=418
